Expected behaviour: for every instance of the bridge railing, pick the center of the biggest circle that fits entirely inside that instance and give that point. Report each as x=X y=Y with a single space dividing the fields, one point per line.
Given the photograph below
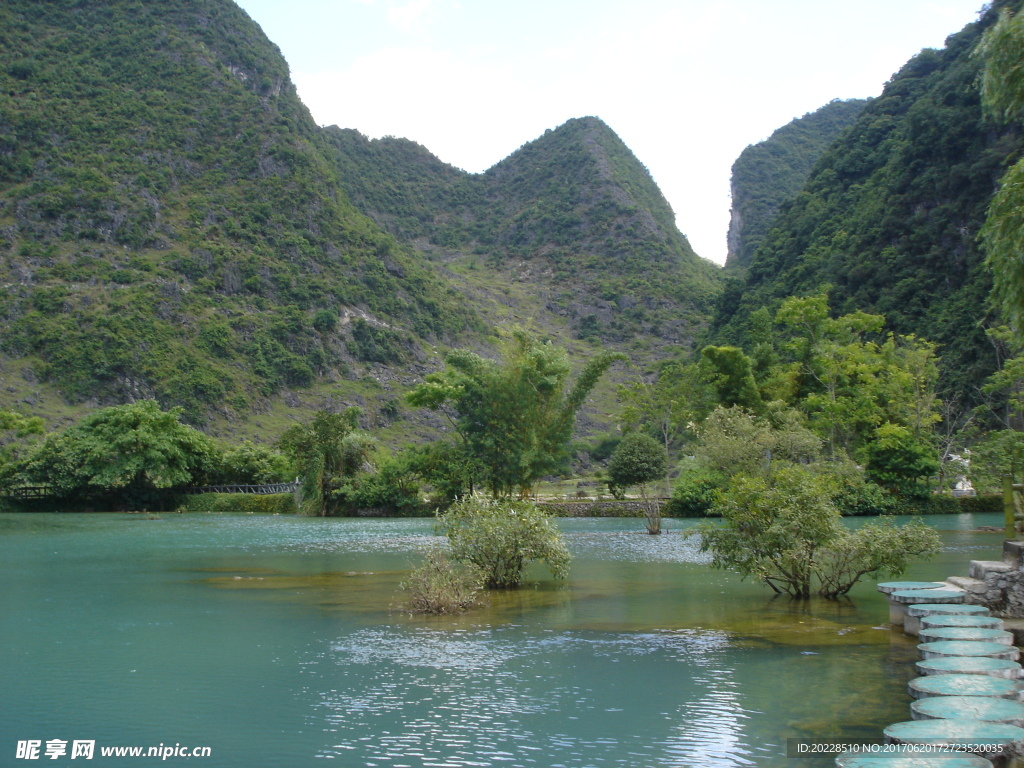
x=261 y=489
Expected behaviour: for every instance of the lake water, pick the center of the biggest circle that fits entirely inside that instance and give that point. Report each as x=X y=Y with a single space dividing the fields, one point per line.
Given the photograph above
x=271 y=641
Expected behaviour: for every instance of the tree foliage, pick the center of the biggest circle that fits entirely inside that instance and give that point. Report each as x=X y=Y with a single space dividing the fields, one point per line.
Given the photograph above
x=502 y=537
x=785 y=532
x=514 y=417
x=325 y=451
x=638 y=460
x=136 y=448
x=890 y=215
x=1002 y=90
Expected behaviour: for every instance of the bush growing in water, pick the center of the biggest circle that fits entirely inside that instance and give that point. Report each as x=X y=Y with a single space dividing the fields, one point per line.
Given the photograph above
x=786 y=532
x=500 y=537
x=443 y=586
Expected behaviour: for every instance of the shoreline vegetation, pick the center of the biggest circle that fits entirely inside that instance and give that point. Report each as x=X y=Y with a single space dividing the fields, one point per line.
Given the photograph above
x=284 y=504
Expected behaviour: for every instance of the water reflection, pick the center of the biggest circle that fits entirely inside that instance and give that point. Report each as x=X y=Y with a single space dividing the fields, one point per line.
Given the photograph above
x=501 y=696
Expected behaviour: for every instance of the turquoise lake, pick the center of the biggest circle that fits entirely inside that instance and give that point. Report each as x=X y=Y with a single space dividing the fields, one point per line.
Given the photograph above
x=272 y=641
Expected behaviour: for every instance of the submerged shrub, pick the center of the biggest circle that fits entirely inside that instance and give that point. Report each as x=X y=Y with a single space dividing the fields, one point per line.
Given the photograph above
x=440 y=585
x=501 y=537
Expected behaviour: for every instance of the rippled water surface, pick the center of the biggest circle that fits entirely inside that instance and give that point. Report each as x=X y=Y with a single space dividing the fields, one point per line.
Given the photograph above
x=272 y=640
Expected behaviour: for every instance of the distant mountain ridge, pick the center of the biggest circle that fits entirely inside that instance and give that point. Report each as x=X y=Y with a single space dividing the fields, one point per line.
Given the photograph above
x=174 y=225
x=769 y=173
x=574 y=207
x=888 y=220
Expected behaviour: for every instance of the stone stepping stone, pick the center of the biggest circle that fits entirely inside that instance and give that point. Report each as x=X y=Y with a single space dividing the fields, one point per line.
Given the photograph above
x=968 y=665
x=972 y=620
x=879 y=761
x=968 y=648
x=963 y=685
x=915 y=612
x=968 y=735
x=922 y=596
x=945 y=609
x=958 y=708
x=887 y=587
x=982 y=634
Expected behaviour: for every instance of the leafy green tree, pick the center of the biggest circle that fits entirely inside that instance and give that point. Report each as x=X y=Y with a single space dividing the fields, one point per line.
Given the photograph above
x=15 y=433
x=735 y=441
x=1002 y=90
x=514 y=417
x=325 y=451
x=899 y=462
x=250 y=463
x=848 y=384
x=501 y=537
x=785 y=532
x=669 y=405
x=135 y=448
x=638 y=460
x=732 y=376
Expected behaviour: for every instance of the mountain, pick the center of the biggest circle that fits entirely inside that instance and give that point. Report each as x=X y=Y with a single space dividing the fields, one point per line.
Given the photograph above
x=173 y=224
x=573 y=213
x=888 y=219
x=769 y=173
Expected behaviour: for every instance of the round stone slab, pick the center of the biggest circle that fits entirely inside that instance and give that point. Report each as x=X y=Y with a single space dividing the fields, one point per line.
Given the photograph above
x=946 y=609
x=967 y=665
x=951 y=761
x=918 y=596
x=933 y=634
x=963 y=685
x=968 y=648
x=973 y=620
x=892 y=586
x=968 y=708
x=963 y=734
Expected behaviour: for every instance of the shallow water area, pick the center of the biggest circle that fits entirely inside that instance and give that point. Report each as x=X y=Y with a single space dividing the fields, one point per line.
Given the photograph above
x=272 y=641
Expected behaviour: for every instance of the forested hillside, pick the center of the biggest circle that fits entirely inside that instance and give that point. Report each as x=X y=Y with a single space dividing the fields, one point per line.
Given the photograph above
x=174 y=225
x=890 y=216
x=769 y=173
x=574 y=212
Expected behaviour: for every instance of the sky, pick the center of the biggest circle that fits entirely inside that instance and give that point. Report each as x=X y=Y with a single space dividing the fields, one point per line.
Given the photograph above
x=686 y=84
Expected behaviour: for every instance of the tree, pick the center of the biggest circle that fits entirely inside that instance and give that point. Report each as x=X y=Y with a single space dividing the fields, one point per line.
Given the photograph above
x=501 y=537
x=735 y=441
x=900 y=462
x=785 y=532
x=1002 y=93
x=15 y=432
x=732 y=375
x=132 y=449
x=250 y=463
x=514 y=417
x=848 y=384
x=677 y=398
x=638 y=460
x=325 y=451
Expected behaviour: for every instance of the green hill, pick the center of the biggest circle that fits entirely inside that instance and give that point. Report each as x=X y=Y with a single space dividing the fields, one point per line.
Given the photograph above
x=890 y=215
x=769 y=173
x=174 y=225
x=172 y=220
x=573 y=213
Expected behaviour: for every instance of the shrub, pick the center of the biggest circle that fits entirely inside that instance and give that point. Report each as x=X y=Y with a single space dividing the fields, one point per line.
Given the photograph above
x=638 y=460
x=251 y=503
x=695 y=494
x=502 y=537
x=786 y=532
x=440 y=585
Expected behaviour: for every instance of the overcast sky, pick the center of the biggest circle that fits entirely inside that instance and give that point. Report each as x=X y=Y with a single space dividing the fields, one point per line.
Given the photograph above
x=686 y=84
